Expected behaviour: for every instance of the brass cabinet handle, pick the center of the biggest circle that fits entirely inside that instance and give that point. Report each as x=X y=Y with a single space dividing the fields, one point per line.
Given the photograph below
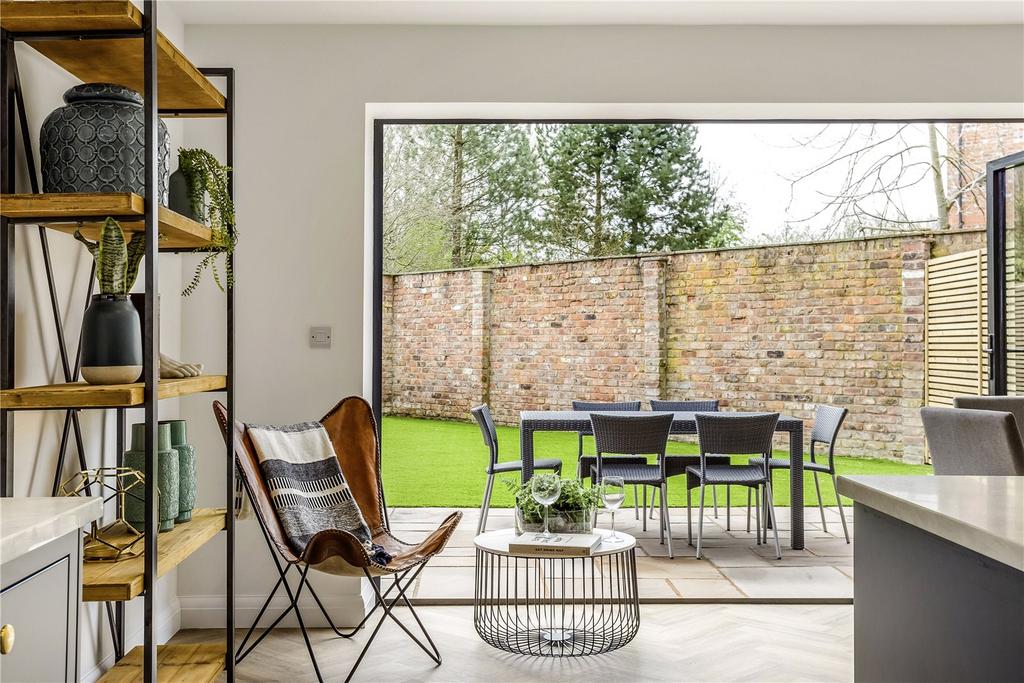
x=6 y=639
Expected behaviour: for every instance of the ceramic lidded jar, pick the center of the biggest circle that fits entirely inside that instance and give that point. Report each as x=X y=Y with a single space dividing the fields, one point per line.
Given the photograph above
x=96 y=143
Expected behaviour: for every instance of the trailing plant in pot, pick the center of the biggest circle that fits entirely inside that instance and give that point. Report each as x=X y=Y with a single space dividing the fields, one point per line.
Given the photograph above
x=111 y=331
x=205 y=180
x=572 y=513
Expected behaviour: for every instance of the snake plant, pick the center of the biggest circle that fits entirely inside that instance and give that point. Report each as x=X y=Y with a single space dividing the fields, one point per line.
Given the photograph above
x=117 y=262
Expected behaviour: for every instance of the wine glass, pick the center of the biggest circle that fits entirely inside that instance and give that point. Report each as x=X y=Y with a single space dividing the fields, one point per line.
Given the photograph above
x=545 y=489
x=613 y=493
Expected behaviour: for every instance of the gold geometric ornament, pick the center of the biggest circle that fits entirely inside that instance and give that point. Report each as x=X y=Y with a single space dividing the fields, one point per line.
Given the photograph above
x=118 y=539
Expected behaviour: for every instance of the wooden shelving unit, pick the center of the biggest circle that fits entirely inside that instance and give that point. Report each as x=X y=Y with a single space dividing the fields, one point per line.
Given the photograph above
x=82 y=395
x=181 y=87
x=122 y=580
x=55 y=211
x=200 y=663
x=105 y=41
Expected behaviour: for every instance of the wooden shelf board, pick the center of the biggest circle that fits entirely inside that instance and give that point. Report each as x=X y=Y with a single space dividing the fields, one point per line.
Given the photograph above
x=180 y=84
x=176 y=231
x=82 y=395
x=199 y=663
x=122 y=580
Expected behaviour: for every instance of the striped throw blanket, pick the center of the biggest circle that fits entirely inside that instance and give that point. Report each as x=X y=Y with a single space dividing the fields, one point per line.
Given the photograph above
x=306 y=484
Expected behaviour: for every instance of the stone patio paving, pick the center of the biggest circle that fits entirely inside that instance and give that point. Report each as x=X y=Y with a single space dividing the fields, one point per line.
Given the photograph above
x=735 y=569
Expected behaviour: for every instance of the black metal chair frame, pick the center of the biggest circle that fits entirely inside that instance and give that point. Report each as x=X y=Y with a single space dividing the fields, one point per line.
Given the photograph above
x=402 y=582
x=335 y=551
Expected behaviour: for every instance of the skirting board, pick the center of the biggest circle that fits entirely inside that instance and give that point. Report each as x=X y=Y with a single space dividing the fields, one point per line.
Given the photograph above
x=207 y=611
x=165 y=629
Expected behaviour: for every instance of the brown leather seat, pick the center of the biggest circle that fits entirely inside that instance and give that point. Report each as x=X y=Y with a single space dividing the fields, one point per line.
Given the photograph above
x=353 y=432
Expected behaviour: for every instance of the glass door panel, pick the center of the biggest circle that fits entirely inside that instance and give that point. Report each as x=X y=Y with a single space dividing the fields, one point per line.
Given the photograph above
x=1005 y=209
x=1013 y=212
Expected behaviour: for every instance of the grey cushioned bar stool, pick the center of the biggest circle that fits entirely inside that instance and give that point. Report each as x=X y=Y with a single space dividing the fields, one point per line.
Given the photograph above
x=725 y=434
x=827 y=422
x=634 y=435
x=482 y=414
x=981 y=442
x=677 y=464
x=594 y=406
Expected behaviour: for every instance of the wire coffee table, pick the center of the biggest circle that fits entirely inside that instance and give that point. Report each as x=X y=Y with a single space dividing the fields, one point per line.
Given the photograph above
x=555 y=606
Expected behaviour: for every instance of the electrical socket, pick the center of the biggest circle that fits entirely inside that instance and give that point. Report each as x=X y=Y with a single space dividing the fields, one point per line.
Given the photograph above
x=320 y=337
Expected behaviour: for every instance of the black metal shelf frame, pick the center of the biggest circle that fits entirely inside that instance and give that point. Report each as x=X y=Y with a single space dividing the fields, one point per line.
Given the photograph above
x=13 y=116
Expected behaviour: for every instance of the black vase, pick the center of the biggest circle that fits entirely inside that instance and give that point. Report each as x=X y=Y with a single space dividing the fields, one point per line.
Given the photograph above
x=138 y=300
x=179 y=196
x=96 y=143
x=111 y=341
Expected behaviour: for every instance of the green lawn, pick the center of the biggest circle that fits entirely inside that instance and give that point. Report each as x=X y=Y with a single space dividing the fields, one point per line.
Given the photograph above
x=436 y=463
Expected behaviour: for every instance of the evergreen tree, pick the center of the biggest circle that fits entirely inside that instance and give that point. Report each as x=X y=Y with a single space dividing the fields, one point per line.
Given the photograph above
x=491 y=183
x=415 y=235
x=626 y=189
x=456 y=195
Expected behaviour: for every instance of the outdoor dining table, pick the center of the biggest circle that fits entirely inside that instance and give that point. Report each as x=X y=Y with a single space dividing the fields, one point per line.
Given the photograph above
x=531 y=421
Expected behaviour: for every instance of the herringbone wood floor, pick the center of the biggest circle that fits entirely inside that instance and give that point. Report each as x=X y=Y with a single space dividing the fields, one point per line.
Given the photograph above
x=675 y=643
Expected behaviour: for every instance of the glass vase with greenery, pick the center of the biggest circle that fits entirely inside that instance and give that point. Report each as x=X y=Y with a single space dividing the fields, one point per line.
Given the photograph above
x=573 y=512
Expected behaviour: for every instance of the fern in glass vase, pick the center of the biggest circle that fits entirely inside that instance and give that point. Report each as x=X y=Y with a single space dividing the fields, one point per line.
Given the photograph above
x=572 y=512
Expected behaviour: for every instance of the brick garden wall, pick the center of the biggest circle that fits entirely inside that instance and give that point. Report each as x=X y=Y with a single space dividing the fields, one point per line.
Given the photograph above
x=770 y=328
x=435 y=357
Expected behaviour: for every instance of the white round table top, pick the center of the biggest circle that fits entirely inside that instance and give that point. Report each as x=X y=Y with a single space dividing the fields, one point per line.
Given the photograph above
x=497 y=541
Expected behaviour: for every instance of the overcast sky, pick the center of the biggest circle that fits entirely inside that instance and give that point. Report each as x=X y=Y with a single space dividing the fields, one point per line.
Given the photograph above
x=756 y=160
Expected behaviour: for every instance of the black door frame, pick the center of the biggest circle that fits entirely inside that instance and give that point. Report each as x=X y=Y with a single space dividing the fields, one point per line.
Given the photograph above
x=995 y=209
x=376 y=389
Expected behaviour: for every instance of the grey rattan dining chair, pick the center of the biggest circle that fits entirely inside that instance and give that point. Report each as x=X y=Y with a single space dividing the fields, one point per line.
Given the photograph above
x=482 y=414
x=725 y=434
x=973 y=442
x=690 y=406
x=827 y=422
x=593 y=406
x=634 y=435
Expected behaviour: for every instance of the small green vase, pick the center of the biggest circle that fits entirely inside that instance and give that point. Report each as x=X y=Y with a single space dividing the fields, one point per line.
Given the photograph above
x=166 y=477
x=186 y=469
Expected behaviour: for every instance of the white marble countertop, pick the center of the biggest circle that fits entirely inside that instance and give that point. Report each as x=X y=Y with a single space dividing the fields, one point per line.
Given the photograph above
x=27 y=523
x=984 y=514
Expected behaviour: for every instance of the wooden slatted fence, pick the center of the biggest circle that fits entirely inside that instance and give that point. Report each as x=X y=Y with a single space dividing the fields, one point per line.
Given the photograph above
x=956 y=324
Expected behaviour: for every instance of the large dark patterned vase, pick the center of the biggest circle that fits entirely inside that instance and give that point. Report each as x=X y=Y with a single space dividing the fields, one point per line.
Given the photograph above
x=96 y=143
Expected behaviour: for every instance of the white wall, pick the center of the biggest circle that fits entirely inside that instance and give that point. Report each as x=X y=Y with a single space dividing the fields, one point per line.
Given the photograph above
x=302 y=96
x=37 y=434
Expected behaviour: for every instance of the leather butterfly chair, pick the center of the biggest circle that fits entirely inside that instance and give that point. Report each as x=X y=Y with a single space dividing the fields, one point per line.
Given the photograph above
x=353 y=433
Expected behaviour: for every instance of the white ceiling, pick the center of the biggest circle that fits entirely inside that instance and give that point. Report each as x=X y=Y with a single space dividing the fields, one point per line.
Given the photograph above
x=602 y=12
